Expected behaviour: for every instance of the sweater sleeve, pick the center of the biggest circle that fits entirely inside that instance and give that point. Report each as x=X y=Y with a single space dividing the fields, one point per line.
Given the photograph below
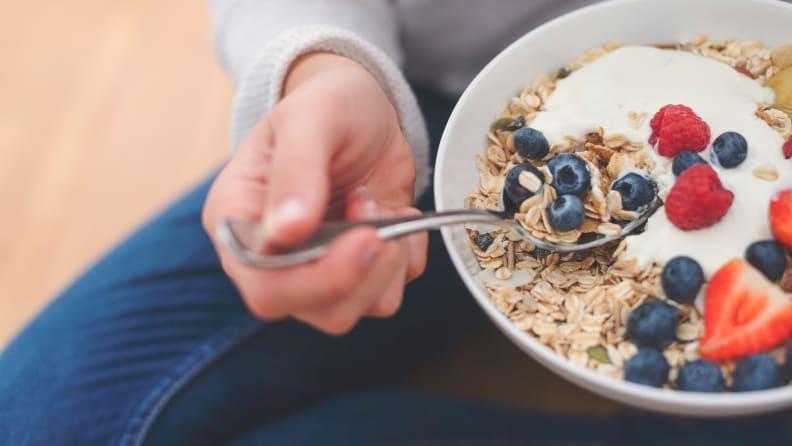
x=258 y=40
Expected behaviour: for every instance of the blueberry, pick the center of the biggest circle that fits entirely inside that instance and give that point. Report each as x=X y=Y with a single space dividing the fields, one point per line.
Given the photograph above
x=522 y=182
x=483 y=241
x=769 y=257
x=685 y=160
x=701 y=376
x=757 y=372
x=531 y=143
x=570 y=174
x=648 y=367
x=729 y=149
x=652 y=324
x=681 y=279
x=540 y=253
x=636 y=191
x=566 y=213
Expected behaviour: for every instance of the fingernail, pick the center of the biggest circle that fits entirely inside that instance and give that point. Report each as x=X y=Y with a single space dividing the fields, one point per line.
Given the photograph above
x=370 y=208
x=369 y=254
x=287 y=213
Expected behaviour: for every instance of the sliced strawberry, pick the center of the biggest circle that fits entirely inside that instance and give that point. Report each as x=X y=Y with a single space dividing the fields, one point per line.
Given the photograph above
x=781 y=217
x=744 y=313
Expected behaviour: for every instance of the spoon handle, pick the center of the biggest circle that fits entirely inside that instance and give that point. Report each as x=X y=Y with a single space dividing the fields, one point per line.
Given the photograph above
x=240 y=236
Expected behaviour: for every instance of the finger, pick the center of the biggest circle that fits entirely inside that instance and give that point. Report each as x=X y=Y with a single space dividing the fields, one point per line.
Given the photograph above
x=339 y=317
x=279 y=292
x=299 y=189
x=361 y=205
x=239 y=191
x=418 y=245
x=390 y=301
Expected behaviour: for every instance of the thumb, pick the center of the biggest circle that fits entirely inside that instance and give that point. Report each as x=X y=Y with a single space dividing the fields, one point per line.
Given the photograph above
x=299 y=189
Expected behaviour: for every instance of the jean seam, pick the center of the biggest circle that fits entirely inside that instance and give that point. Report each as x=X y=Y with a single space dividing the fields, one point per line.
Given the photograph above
x=205 y=354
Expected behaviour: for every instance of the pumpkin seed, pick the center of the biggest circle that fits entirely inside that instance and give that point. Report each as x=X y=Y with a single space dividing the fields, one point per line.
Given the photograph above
x=508 y=124
x=500 y=124
x=599 y=354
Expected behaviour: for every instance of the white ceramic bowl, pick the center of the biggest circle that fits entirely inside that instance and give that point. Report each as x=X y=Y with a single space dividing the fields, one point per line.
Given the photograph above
x=543 y=50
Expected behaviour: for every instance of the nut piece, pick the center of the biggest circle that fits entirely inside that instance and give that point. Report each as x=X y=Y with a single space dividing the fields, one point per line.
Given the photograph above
x=777 y=119
x=617 y=163
x=529 y=181
x=614 y=201
x=503 y=273
x=688 y=332
x=609 y=229
x=615 y=141
x=603 y=153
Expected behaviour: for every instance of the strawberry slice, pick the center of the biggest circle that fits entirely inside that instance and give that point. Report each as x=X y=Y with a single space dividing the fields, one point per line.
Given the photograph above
x=744 y=313
x=781 y=217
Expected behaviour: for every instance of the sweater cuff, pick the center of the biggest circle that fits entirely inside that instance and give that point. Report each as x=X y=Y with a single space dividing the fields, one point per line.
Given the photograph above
x=261 y=87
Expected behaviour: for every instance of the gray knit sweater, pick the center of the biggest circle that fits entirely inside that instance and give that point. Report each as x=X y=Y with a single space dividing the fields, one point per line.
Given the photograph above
x=443 y=43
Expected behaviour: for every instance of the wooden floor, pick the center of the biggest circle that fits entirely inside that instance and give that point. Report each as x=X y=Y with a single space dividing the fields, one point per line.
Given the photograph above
x=110 y=108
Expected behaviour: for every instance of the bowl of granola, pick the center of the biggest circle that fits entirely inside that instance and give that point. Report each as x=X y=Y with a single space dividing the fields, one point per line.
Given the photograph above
x=579 y=126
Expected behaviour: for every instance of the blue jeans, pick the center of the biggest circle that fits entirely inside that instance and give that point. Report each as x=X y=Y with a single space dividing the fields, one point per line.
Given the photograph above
x=154 y=346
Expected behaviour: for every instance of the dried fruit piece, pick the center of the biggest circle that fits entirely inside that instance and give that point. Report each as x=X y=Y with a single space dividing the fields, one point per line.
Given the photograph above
x=483 y=241
x=742 y=70
x=788 y=148
x=781 y=84
x=782 y=56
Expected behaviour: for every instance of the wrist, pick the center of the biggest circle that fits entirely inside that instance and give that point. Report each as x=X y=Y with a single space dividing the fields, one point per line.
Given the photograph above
x=310 y=65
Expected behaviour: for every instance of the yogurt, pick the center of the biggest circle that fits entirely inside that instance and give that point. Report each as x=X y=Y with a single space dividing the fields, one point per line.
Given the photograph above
x=643 y=79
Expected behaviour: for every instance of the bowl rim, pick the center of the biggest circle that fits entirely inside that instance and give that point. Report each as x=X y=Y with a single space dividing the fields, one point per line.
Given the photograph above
x=663 y=400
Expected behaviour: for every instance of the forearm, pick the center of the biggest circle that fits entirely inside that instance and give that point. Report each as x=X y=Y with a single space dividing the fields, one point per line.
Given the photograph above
x=258 y=41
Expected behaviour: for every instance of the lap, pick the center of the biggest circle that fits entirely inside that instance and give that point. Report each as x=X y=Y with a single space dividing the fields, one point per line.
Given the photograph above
x=414 y=419
x=97 y=361
x=154 y=343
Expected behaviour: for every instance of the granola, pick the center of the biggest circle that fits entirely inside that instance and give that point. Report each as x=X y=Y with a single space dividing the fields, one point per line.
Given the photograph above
x=579 y=304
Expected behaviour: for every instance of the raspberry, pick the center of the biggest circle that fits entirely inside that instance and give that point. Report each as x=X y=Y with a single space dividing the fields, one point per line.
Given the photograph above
x=788 y=148
x=676 y=128
x=697 y=199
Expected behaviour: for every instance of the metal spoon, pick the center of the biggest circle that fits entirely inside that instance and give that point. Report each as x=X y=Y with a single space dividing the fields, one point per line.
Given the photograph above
x=240 y=237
